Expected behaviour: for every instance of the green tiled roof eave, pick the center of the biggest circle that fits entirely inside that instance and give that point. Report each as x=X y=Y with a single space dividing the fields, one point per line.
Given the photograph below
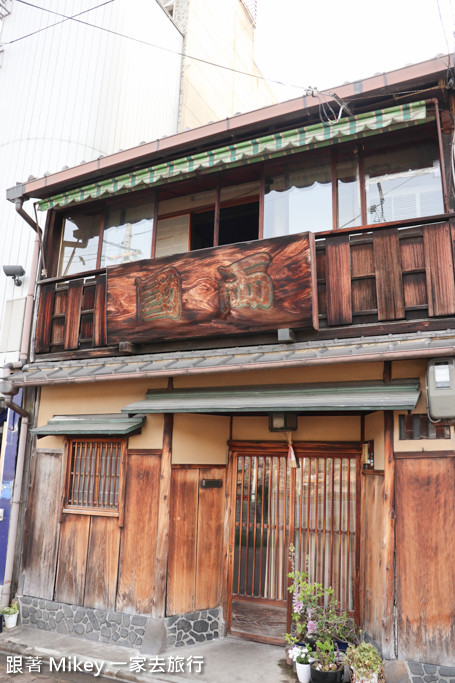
x=250 y=151
x=342 y=396
x=90 y=425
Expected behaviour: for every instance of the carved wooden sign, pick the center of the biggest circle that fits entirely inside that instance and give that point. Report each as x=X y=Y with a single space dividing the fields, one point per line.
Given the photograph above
x=244 y=287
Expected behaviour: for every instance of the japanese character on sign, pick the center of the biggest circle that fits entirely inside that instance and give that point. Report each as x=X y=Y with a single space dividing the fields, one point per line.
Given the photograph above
x=246 y=283
x=159 y=296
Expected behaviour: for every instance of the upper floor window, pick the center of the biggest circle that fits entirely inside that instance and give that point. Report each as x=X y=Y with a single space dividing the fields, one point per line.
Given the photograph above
x=91 y=239
x=378 y=179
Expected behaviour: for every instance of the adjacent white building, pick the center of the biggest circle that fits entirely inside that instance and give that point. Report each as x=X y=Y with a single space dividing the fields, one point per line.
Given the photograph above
x=80 y=79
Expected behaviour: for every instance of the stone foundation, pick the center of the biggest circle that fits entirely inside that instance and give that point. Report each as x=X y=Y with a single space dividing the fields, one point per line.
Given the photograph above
x=431 y=673
x=117 y=628
x=196 y=627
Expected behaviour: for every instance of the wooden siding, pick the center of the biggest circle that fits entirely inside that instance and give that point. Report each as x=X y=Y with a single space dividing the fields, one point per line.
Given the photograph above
x=92 y=559
x=425 y=549
x=41 y=526
x=371 y=555
x=395 y=274
x=137 y=559
x=72 y=559
x=195 y=540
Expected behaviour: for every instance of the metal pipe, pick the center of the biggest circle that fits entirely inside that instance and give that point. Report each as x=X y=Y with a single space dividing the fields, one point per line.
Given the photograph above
x=23 y=214
x=14 y=513
x=17 y=409
x=29 y=303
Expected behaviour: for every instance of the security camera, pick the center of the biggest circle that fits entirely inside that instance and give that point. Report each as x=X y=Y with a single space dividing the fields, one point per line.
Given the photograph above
x=16 y=272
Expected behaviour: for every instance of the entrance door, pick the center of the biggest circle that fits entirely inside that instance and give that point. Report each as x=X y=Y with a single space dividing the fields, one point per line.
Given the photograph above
x=314 y=507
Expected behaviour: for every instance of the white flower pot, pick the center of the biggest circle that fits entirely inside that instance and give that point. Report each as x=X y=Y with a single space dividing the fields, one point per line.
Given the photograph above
x=10 y=620
x=303 y=672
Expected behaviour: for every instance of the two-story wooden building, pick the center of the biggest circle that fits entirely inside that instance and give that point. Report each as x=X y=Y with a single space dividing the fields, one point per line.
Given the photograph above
x=281 y=277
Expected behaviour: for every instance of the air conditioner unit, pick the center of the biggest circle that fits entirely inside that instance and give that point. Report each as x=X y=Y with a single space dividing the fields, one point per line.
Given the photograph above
x=440 y=384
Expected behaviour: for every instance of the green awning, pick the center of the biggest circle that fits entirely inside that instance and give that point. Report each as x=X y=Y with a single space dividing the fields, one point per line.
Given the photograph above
x=250 y=151
x=342 y=396
x=112 y=424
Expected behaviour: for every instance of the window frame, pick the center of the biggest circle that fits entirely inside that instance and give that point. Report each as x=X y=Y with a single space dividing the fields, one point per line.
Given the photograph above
x=68 y=508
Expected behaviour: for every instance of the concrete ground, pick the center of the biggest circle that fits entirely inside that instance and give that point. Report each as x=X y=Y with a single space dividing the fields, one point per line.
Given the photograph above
x=34 y=656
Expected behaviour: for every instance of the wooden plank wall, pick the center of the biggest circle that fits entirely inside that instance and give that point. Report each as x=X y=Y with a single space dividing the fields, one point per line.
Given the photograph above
x=386 y=275
x=425 y=552
x=41 y=525
x=371 y=556
x=196 y=540
x=91 y=559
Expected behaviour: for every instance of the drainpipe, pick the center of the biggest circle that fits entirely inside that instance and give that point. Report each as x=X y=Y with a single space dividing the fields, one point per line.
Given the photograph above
x=15 y=505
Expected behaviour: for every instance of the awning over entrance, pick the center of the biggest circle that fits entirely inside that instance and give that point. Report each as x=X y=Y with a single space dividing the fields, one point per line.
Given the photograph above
x=343 y=396
x=112 y=424
x=249 y=151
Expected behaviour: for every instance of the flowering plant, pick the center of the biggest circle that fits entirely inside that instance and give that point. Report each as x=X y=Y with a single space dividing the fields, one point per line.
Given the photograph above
x=301 y=655
x=313 y=606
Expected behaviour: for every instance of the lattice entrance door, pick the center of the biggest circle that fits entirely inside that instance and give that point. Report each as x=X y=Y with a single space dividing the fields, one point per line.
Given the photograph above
x=314 y=507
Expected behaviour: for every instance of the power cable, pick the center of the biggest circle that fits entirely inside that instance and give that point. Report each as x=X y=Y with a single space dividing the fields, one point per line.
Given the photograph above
x=44 y=28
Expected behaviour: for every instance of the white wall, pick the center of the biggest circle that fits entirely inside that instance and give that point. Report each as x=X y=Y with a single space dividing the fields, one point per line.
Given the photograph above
x=72 y=92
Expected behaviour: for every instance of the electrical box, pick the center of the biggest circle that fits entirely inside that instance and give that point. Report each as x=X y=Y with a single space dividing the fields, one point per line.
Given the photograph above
x=441 y=388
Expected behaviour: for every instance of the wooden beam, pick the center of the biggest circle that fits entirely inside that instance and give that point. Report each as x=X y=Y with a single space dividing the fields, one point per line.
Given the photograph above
x=338 y=279
x=389 y=281
x=162 y=536
x=388 y=619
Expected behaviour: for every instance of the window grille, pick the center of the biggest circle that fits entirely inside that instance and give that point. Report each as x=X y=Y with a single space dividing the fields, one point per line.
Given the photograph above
x=95 y=475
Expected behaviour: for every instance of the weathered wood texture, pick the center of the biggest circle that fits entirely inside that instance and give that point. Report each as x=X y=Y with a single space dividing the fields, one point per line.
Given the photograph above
x=162 y=533
x=102 y=563
x=72 y=559
x=388 y=542
x=223 y=290
x=371 y=556
x=439 y=270
x=339 y=306
x=196 y=541
x=425 y=551
x=41 y=526
x=394 y=273
x=138 y=545
x=389 y=289
x=72 y=314
x=45 y=312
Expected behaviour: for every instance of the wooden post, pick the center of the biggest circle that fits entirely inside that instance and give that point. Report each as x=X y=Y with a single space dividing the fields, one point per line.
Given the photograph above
x=162 y=536
x=388 y=619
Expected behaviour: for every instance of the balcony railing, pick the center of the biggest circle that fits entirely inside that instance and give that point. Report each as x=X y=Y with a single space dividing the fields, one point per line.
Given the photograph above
x=384 y=275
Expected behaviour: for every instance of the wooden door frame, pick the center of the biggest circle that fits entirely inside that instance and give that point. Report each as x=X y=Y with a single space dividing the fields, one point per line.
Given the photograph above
x=268 y=448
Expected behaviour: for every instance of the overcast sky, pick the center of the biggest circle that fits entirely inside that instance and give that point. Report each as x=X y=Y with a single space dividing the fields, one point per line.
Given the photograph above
x=325 y=44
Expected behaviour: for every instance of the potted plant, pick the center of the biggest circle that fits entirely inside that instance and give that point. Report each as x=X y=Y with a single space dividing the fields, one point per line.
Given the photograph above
x=308 y=604
x=10 y=614
x=328 y=666
x=302 y=656
x=365 y=663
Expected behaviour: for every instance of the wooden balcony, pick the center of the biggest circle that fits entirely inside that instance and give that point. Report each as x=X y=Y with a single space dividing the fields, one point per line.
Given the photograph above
x=359 y=282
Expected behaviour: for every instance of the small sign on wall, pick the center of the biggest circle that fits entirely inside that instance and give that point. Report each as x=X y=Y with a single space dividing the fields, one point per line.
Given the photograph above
x=237 y=288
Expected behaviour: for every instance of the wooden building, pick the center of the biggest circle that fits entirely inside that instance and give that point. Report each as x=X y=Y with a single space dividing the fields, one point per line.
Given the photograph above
x=283 y=276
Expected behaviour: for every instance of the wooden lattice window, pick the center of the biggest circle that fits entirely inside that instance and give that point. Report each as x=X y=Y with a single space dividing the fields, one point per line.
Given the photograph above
x=95 y=476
